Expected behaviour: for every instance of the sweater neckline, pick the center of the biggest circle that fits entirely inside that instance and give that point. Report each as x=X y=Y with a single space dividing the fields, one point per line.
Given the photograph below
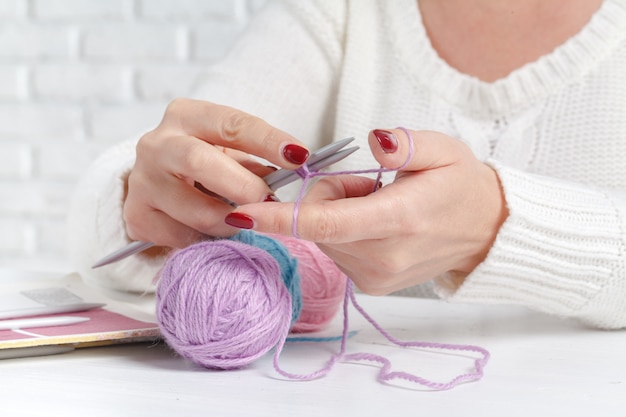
x=522 y=87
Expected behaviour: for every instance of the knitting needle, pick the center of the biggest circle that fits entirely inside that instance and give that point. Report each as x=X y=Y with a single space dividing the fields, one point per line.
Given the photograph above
x=44 y=310
x=118 y=255
x=319 y=159
x=41 y=322
x=275 y=179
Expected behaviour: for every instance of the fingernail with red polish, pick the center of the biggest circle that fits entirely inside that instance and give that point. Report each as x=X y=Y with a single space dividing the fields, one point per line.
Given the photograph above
x=387 y=140
x=239 y=220
x=272 y=197
x=295 y=154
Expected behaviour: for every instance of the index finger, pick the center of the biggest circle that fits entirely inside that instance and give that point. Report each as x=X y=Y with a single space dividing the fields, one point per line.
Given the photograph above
x=232 y=128
x=325 y=221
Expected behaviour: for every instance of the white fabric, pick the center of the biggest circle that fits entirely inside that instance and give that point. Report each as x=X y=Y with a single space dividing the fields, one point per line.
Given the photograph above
x=554 y=130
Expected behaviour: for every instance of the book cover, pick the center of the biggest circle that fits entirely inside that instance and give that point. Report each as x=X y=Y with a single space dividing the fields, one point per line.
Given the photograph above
x=119 y=320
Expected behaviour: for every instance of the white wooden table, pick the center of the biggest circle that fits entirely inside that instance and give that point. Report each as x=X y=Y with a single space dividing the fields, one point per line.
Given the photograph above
x=540 y=366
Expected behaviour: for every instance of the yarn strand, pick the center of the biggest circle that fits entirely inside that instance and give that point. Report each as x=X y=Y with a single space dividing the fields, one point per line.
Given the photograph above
x=385 y=374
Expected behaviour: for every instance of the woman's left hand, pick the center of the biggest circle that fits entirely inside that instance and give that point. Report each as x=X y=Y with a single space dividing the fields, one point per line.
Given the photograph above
x=441 y=213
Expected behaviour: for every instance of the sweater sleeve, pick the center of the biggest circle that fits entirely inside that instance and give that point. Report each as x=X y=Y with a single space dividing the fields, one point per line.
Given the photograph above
x=96 y=227
x=282 y=69
x=561 y=251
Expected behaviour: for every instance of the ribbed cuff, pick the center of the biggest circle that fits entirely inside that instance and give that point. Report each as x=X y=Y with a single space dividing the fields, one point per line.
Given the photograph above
x=560 y=248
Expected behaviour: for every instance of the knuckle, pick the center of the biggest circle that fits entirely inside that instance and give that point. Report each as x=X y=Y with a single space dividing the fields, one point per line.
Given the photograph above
x=145 y=143
x=151 y=148
x=253 y=191
x=281 y=226
x=328 y=227
x=392 y=264
x=233 y=124
x=416 y=224
x=176 y=106
x=278 y=219
x=248 y=191
x=268 y=138
x=194 y=160
x=173 y=118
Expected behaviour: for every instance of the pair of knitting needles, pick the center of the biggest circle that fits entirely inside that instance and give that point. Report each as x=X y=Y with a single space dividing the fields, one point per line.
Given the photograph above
x=318 y=160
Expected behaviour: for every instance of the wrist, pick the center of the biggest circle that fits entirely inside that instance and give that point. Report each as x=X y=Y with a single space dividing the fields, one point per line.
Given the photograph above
x=494 y=212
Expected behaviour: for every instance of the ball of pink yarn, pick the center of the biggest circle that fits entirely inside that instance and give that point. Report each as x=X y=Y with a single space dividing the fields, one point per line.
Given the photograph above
x=322 y=284
x=222 y=304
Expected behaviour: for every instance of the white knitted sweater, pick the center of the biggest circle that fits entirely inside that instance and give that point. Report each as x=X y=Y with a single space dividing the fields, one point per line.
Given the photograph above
x=555 y=131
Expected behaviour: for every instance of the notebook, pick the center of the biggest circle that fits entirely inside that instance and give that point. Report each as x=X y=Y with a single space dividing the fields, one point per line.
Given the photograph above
x=120 y=319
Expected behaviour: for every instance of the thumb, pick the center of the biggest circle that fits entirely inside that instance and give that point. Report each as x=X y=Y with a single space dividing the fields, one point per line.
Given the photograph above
x=411 y=150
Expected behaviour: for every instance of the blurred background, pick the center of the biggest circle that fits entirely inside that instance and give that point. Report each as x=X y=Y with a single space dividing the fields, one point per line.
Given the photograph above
x=77 y=76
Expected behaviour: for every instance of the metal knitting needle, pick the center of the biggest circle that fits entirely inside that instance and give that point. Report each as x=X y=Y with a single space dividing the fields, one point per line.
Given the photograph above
x=122 y=253
x=336 y=157
x=319 y=159
x=277 y=177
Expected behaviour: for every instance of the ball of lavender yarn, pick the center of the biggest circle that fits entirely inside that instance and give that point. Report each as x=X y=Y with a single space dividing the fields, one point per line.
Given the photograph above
x=222 y=304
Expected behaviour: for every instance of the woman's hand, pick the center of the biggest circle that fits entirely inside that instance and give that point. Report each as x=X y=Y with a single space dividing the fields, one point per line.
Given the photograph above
x=441 y=213
x=201 y=146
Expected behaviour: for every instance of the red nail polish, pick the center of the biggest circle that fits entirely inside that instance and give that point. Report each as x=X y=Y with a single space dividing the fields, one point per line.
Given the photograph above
x=387 y=140
x=239 y=220
x=295 y=154
x=272 y=197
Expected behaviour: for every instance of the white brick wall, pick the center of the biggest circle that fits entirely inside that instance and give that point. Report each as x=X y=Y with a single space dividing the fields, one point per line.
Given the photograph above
x=77 y=76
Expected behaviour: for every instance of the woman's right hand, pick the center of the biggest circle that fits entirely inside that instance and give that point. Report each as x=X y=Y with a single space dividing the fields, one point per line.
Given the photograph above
x=201 y=145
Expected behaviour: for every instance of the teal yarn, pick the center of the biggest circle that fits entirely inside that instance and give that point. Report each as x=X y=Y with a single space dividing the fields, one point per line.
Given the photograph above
x=288 y=265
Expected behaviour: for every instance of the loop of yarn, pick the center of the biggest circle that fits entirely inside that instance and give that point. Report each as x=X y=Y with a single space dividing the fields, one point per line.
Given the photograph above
x=386 y=374
x=222 y=304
